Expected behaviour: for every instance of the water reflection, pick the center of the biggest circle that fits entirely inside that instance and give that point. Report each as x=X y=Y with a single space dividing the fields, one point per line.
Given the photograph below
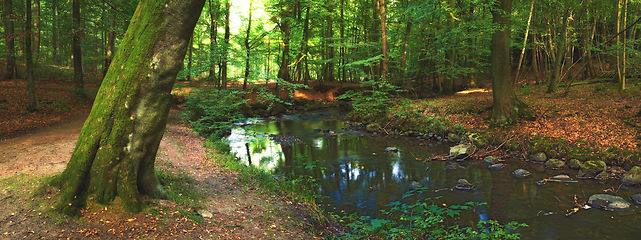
x=358 y=176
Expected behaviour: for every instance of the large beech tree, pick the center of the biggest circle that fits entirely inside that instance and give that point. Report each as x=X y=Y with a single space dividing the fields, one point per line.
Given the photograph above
x=115 y=153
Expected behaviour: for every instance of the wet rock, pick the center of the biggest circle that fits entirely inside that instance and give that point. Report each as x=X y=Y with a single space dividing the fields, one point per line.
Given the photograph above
x=452 y=167
x=461 y=150
x=391 y=150
x=373 y=127
x=497 y=166
x=554 y=163
x=633 y=177
x=636 y=198
x=602 y=176
x=453 y=137
x=415 y=185
x=463 y=184
x=590 y=169
x=561 y=177
x=609 y=202
x=574 y=164
x=538 y=157
x=521 y=173
x=479 y=140
x=490 y=160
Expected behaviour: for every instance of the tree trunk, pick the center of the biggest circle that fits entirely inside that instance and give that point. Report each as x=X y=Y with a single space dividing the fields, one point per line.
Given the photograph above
x=36 y=30
x=10 y=42
x=111 y=46
x=283 y=71
x=302 y=70
x=54 y=34
x=190 y=57
x=527 y=31
x=328 y=68
x=505 y=100
x=213 y=35
x=31 y=88
x=115 y=153
x=247 y=49
x=223 y=69
x=78 y=81
x=560 y=53
x=384 y=38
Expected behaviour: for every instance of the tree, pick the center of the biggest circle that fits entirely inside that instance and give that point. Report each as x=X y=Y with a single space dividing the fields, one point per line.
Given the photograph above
x=115 y=153
x=506 y=105
x=78 y=82
x=225 y=58
x=31 y=88
x=384 y=37
x=10 y=42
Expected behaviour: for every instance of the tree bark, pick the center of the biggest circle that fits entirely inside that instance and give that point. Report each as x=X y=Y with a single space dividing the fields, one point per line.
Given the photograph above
x=213 y=35
x=78 y=81
x=115 y=153
x=54 y=34
x=10 y=40
x=223 y=68
x=247 y=49
x=36 y=30
x=31 y=88
x=505 y=100
x=328 y=68
x=560 y=53
x=384 y=38
x=527 y=31
x=190 y=56
x=285 y=28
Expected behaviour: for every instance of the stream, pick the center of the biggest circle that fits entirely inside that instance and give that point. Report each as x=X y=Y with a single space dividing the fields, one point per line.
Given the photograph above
x=356 y=174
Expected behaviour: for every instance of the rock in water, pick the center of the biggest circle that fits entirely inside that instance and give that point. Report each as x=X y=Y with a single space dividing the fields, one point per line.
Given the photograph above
x=590 y=169
x=538 y=157
x=521 y=173
x=554 y=163
x=633 y=177
x=609 y=202
x=415 y=185
x=463 y=184
x=497 y=166
x=391 y=150
x=490 y=160
x=574 y=164
x=561 y=177
x=461 y=150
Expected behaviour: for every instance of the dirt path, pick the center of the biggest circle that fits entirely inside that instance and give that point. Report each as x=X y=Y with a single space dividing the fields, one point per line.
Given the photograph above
x=237 y=212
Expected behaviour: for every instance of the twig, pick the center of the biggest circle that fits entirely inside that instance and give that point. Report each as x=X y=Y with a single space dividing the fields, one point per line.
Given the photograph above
x=497 y=148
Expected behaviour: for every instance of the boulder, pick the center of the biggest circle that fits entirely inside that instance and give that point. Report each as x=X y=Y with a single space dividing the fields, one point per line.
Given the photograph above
x=554 y=163
x=609 y=202
x=538 y=157
x=463 y=184
x=478 y=139
x=590 y=169
x=490 y=160
x=633 y=177
x=561 y=177
x=521 y=173
x=373 y=127
x=453 y=137
x=574 y=164
x=415 y=185
x=636 y=198
x=461 y=150
x=497 y=166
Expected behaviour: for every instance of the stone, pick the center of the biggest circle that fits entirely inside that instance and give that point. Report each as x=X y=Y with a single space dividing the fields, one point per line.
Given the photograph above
x=602 y=176
x=373 y=127
x=636 y=198
x=633 y=177
x=451 y=167
x=609 y=202
x=554 y=163
x=590 y=169
x=574 y=164
x=453 y=137
x=497 y=166
x=538 y=157
x=391 y=150
x=461 y=150
x=561 y=177
x=463 y=184
x=479 y=140
x=490 y=160
x=521 y=173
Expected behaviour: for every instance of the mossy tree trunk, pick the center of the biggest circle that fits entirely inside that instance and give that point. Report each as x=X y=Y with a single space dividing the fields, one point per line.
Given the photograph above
x=115 y=153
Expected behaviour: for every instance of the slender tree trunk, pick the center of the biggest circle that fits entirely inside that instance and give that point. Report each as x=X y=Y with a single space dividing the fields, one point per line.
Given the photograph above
x=223 y=69
x=116 y=150
x=213 y=35
x=247 y=49
x=36 y=30
x=190 y=57
x=527 y=31
x=535 y=60
x=285 y=28
x=328 y=68
x=55 y=54
x=301 y=65
x=10 y=40
x=31 y=87
x=111 y=46
x=77 y=51
x=342 y=51
x=623 y=50
x=561 y=49
x=384 y=38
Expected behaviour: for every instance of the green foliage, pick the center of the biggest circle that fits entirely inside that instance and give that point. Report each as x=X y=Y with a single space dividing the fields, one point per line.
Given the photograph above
x=372 y=103
x=424 y=219
x=211 y=111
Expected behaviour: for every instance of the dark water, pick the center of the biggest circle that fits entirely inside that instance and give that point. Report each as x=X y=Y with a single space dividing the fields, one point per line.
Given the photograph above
x=358 y=176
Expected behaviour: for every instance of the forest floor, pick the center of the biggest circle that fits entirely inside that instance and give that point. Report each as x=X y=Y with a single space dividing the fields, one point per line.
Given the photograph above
x=35 y=145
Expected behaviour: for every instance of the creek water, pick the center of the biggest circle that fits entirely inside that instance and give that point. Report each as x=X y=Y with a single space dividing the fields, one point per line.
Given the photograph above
x=356 y=175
